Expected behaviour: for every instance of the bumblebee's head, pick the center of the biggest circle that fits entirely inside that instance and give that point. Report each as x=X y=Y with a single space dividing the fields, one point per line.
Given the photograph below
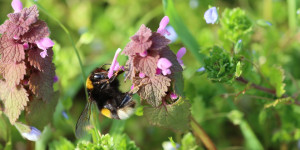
x=121 y=111
x=96 y=77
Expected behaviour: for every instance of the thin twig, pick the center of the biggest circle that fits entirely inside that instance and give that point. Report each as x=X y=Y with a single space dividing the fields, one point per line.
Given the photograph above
x=264 y=89
x=201 y=134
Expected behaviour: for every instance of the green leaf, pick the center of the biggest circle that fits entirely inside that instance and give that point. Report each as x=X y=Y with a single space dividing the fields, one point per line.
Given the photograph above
x=178 y=83
x=276 y=77
x=61 y=143
x=40 y=113
x=279 y=101
x=235 y=116
x=251 y=140
x=182 y=31
x=238 y=69
x=173 y=116
x=188 y=142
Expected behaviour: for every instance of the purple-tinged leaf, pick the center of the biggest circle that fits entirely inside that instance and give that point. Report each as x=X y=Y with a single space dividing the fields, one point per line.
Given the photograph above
x=36 y=32
x=10 y=50
x=41 y=83
x=3 y=27
x=37 y=61
x=152 y=89
x=146 y=65
x=19 y=23
x=13 y=73
x=140 y=42
x=158 y=41
x=14 y=99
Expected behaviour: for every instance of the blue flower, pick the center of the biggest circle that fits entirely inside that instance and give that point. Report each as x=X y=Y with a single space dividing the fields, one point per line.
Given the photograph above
x=211 y=15
x=65 y=115
x=173 y=35
x=201 y=69
x=33 y=135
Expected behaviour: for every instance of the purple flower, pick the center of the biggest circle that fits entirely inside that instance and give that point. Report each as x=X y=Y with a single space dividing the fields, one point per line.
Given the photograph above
x=162 y=26
x=44 y=44
x=113 y=64
x=173 y=96
x=65 y=115
x=17 y=6
x=173 y=35
x=211 y=15
x=33 y=135
x=142 y=75
x=201 y=69
x=26 y=46
x=117 y=66
x=180 y=54
x=164 y=64
x=55 y=78
x=144 y=54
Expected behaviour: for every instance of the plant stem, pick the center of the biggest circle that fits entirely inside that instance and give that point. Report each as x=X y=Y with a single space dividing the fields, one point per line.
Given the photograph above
x=200 y=133
x=264 y=89
x=292 y=14
x=71 y=40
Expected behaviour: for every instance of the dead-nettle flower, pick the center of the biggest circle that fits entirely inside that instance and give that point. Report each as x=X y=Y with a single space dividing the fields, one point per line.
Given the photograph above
x=27 y=73
x=152 y=66
x=180 y=54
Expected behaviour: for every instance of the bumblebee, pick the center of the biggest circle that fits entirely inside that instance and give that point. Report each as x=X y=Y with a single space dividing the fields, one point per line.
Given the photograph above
x=105 y=93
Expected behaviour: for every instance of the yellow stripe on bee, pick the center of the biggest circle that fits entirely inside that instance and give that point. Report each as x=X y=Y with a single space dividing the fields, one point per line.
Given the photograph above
x=89 y=84
x=106 y=112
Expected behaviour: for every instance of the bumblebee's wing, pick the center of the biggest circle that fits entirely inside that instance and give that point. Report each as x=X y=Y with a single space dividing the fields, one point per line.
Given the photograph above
x=83 y=121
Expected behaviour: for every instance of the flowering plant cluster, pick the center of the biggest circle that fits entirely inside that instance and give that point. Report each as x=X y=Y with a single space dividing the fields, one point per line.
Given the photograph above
x=26 y=60
x=152 y=65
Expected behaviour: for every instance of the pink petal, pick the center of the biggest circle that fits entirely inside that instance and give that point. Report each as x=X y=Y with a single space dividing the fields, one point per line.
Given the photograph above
x=164 y=63
x=166 y=72
x=117 y=66
x=26 y=46
x=162 y=25
x=142 y=75
x=16 y=37
x=17 y=6
x=144 y=54
x=113 y=64
x=173 y=96
x=132 y=87
x=44 y=43
x=43 y=54
x=181 y=52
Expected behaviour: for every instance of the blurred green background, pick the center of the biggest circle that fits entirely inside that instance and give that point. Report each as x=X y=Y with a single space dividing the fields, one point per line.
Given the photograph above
x=99 y=27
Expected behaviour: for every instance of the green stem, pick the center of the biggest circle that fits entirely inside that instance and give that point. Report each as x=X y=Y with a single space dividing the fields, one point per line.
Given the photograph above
x=292 y=14
x=71 y=40
x=200 y=133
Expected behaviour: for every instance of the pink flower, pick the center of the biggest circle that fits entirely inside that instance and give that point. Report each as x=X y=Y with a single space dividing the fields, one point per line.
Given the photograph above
x=142 y=75
x=162 y=26
x=164 y=64
x=17 y=6
x=180 y=54
x=44 y=44
x=132 y=87
x=26 y=46
x=144 y=54
x=158 y=71
x=114 y=63
x=117 y=66
x=173 y=96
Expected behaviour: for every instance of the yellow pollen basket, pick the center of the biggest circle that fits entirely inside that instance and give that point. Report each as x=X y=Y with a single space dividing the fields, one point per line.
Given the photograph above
x=106 y=112
x=89 y=84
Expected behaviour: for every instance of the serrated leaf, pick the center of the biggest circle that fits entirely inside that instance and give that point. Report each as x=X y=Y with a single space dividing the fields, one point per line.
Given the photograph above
x=3 y=27
x=14 y=100
x=39 y=113
x=148 y=64
x=276 y=77
x=36 y=32
x=41 y=83
x=140 y=42
x=19 y=22
x=13 y=73
x=279 y=101
x=158 y=41
x=175 y=116
x=153 y=89
x=37 y=61
x=10 y=50
x=167 y=53
x=178 y=83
